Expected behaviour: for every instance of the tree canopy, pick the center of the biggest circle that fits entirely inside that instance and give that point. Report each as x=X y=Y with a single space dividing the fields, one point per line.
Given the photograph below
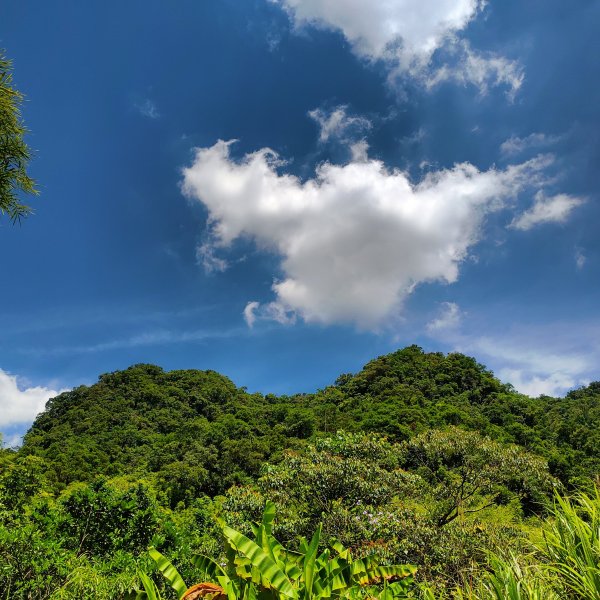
x=195 y=432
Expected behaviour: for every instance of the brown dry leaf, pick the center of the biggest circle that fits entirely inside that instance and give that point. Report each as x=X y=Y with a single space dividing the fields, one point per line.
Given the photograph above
x=209 y=591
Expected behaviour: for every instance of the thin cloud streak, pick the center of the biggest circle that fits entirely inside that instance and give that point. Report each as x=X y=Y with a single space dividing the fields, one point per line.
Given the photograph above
x=61 y=319
x=156 y=338
x=515 y=145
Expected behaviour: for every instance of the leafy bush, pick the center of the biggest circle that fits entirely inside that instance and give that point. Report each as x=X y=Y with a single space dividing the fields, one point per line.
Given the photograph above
x=262 y=567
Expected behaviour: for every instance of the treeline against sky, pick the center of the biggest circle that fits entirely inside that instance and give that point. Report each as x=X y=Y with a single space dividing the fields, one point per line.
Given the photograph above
x=420 y=458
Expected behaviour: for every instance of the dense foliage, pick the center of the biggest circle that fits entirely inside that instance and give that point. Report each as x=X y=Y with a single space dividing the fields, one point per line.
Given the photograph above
x=14 y=153
x=423 y=459
x=566 y=565
x=193 y=431
x=196 y=432
x=409 y=391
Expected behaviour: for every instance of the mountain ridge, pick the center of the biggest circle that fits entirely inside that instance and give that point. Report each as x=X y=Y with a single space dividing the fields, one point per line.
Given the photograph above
x=197 y=430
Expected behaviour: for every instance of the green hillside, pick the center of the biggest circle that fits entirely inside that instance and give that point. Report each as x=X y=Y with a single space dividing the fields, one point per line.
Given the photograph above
x=195 y=430
x=420 y=458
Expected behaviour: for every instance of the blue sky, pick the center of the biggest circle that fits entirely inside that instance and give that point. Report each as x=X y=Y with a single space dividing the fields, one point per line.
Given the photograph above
x=425 y=172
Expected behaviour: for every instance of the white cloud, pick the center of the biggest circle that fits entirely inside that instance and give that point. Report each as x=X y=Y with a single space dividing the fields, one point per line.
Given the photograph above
x=536 y=367
x=535 y=385
x=273 y=311
x=483 y=71
x=249 y=313
x=205 y=255
x=550 y=359
x=580 y=258
x=360 y=151
x=355 y=239
x=148 y=109
x=407 y=33
x=515 y=145
x=13 y=440
x=409 y=29
x=20 y=406
x=555 y=209
x=449 y=318
x=337 y=124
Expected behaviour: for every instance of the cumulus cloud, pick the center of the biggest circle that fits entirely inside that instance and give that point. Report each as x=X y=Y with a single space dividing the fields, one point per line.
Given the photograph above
x=449 y=318
x=357 y=238
x=554 y=209
x=338 y=124
x=407 y=33
x=20 y=406
x=515 y=145
x=409 y=29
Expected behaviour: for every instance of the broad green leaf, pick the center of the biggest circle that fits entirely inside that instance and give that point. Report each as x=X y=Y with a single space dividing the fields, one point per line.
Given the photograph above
x=231 y=587
x=171 y=574
x=310 y=559
x=267 y=567
x=386 y=594
x=207 y=565
x=268 y=517
x=135 y=595
x=151 y=591
x=340 y=549
x=399 y=588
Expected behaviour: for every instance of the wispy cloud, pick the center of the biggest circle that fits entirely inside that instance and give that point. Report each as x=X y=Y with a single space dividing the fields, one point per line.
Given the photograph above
x=14 y=440
x=210 y=262
x=553 y=209
x=515 y=145
x=484 y=71
x=338 y=124
x=580 y=258
x=78 y=318
x=153 y=338
x=272 y=311
x=549 y=359
x=449 y=317
x=147 y=108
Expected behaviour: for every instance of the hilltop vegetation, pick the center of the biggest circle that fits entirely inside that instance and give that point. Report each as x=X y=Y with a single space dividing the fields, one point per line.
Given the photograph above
x=425 y=459
x=195 y=430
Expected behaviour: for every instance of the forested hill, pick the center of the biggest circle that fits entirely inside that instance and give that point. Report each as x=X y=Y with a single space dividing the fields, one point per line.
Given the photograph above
x=195 y=432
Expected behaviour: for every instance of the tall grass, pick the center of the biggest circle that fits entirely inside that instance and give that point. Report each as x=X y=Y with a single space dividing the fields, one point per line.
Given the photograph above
x=572 y=546
x=565 y=565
